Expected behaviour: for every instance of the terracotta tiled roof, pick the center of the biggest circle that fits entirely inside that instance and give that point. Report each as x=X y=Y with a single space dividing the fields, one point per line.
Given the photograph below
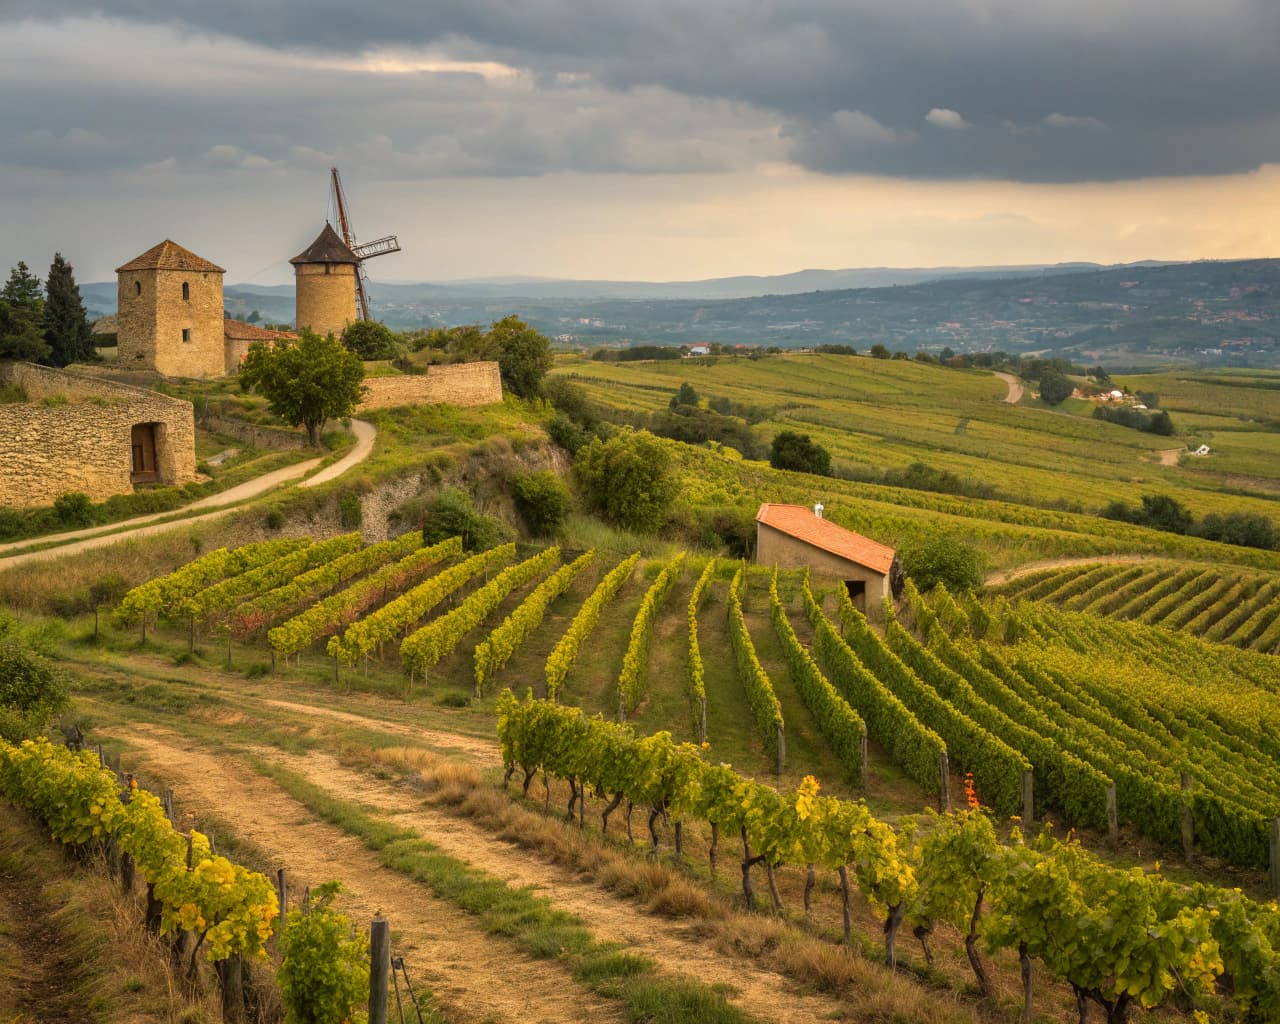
x=327 y=248
x=238 y=330
x=171 y=256
x=800 y=522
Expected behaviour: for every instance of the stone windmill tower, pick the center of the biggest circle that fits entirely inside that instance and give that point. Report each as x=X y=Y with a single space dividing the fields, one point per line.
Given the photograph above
x=329 y=274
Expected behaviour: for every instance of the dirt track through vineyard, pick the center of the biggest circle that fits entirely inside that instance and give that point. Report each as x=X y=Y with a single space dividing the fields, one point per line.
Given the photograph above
x=672 y=944
x=475 y=976
x=443 y=943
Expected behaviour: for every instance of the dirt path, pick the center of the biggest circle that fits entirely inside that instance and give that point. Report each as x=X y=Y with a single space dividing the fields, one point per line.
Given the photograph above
x=43 y=971
x=1015 y=388
x=441 y=944
x=1169 y=457
x=1008 y=575
x=222 y=503
x=674 y=945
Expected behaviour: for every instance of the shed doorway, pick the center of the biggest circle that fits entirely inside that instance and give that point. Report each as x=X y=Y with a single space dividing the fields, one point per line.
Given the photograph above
x=857 y=590
x=142 y=442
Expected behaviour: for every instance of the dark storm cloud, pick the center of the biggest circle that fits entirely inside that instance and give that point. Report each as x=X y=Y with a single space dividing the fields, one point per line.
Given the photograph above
x=1055 y=90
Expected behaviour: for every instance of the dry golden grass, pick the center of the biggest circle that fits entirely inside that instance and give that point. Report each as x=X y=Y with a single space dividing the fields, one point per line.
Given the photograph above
x=93 y=947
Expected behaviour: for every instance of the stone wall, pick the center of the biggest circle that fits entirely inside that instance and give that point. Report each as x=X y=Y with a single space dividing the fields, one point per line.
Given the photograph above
x=456 y=384
x=74 y=434
x=253 y=434
x=153 y=316
x=773 y=547
x=325 y=296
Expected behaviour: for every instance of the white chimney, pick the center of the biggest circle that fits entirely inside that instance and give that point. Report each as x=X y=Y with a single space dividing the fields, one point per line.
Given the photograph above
x=817 y=510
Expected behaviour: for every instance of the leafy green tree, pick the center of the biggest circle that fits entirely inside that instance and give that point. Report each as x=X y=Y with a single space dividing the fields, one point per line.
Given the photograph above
x=307 y=382
x=1054 y=387
x=66 y=325
x=628 y=480
x=542 y=500
x=941 y=558
x=879 y=351
x=22 y=317
x=799 y=453
x=370 y=339
x=523 y=354
x=685 y=396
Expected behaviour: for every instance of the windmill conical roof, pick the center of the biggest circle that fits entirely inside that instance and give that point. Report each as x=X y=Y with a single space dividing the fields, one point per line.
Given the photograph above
x=169 y=255
x=327 y=248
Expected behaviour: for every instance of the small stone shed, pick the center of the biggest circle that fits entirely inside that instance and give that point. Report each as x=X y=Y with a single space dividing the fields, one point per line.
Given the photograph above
x=796 y=537
x=75 y=432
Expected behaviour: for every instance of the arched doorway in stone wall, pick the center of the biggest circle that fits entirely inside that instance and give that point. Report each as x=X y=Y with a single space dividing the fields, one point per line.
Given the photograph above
x=145 y=468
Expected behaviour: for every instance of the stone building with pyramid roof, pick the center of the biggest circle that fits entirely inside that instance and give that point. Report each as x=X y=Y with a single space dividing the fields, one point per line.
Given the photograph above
x=170 y=316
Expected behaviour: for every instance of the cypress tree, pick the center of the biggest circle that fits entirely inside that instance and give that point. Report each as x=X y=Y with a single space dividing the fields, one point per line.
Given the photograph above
x=66 y=326
x=22 y=317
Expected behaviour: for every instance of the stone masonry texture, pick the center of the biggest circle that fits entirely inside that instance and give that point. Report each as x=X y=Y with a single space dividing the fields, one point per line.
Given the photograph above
x=73 y=434
x=455 y=383
x=153 y=316
x=325 y=297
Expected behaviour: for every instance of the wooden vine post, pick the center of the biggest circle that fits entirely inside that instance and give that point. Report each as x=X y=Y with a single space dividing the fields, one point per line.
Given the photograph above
x=944 y=783
x=379 y=969
x=231 y=986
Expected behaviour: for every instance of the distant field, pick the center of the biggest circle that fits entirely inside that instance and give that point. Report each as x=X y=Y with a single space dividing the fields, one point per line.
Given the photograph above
x=874 y=415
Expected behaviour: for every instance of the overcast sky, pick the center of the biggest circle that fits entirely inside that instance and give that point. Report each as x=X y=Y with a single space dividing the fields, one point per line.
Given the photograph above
x=656 y=139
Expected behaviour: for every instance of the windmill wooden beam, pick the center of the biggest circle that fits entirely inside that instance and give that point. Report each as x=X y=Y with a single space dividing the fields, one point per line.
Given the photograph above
x=362 y=252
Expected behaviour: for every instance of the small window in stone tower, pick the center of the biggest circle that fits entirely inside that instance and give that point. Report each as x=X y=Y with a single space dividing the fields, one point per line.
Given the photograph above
x=186 y=334
x=186 y=292
x=137 y=287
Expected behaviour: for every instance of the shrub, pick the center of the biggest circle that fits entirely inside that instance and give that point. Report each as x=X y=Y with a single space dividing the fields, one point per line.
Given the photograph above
x=686 y=395
x=730 y=526
x=32 y=691
x=543 y=501
x=12 y=524
x=922 y=477
x=324 y=976
x=628 y=480
x=350 y=514
x=451 y=514
x=1243 y=528
x=275 y=519
x=1157 y=511
x=799 y=453
x=73 y=509
x=941 y=558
